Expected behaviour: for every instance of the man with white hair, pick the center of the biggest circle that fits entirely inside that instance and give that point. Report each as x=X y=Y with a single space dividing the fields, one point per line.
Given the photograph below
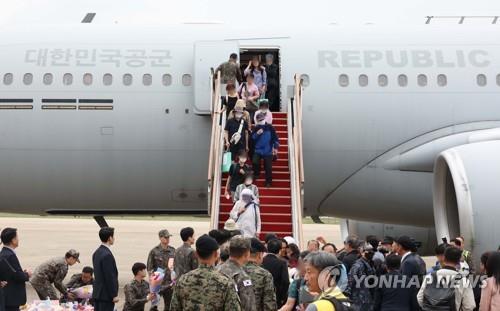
x=246 y=214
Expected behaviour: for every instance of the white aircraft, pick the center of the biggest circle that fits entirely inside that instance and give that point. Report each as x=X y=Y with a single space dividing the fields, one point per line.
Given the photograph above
x=401 y=125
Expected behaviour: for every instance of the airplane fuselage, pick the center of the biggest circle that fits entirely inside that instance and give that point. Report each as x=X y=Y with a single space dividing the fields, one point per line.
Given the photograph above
x=371 y=94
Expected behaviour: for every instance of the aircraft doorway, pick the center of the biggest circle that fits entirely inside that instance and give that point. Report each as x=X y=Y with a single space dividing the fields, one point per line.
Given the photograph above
x=273 y=72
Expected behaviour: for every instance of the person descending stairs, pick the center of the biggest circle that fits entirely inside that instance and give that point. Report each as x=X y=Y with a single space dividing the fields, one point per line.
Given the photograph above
x=275 y=201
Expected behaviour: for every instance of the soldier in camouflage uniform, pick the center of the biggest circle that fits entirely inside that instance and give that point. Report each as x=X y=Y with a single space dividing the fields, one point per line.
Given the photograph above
x=185 y=257
x=204 y=289
x=239 y=252
x=262 y=280
x=51 y=272
x=80 y=279
x=159 y=258
x=230 y=71
x=137 y=291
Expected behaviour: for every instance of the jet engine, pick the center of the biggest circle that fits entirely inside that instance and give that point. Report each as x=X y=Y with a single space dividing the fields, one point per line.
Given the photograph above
x=466 y=195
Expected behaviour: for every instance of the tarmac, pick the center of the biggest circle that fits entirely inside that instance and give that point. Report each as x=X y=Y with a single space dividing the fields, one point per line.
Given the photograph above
x=42 y=238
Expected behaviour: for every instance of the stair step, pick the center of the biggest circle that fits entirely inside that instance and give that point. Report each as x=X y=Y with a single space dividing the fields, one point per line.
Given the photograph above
x=276 y=175
x=271 y=199
x=267 y=226
x=282 y=134
x=280 y=114
x=276 y=183
x=262 y=235
x=279 y=121
x=274 y=191
x=265 y=217
x=264 y=207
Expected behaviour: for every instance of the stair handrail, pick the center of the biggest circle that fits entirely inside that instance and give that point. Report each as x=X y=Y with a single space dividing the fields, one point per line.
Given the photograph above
x=216 y=153
x=294 y=124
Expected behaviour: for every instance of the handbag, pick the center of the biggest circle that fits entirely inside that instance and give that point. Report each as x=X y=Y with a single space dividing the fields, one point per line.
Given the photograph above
x=226 y=162
x=251 y=106
x=236 y=137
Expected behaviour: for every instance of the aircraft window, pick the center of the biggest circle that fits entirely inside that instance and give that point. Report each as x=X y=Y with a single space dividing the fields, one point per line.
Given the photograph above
x=127 y=79
x=186 y=79
x=383 y=80
x=363 y=80
x=402 y=80
x=8 y=78
x=422 y=80
x=166 y=79
x=442 y=80
x=67 y=79
x=28 y=79
x=498 y=79
x=147 y=79
x=87 y=79
x=343 y=80
x=48 y=78
x=481 y=80
x=305 y=80
x=107 y=79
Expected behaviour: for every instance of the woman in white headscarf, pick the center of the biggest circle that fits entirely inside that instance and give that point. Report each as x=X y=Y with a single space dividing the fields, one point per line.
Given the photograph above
x=246 y=213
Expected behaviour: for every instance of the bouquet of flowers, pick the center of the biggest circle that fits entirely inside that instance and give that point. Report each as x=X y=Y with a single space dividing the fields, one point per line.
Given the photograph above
x=84 y=292
x=155 y=280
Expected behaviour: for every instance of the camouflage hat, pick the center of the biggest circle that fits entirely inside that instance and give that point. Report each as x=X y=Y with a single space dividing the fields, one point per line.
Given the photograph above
x=73 y=253
x=164 y=233
x=239 y=242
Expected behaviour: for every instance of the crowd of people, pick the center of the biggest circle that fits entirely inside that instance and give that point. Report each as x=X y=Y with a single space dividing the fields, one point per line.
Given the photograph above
x=228 y=271
x=249 y=135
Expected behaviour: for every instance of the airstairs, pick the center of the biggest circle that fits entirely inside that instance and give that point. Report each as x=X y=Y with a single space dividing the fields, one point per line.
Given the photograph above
x=281 y=205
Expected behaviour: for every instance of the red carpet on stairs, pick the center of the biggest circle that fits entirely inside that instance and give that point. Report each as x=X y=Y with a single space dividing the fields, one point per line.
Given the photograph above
x=276 y=201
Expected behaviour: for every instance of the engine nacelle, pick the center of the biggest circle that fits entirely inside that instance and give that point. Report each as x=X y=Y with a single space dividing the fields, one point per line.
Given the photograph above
x=466 y=195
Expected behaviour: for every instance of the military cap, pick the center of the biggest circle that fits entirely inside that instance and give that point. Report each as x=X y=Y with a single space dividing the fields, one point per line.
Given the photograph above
x=164 y=233
x=239 y=242
x=73 y=253
x=257 y=246
x=206 y=243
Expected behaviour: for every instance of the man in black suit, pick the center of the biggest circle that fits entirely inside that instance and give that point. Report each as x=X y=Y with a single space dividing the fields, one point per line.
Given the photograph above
x=392 y=294
x=278 y=269
x=105 y=293
x=10 y=269
x=412 y=266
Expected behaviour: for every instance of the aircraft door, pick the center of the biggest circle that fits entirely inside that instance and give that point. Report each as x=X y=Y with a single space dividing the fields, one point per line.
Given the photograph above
x=207 y=55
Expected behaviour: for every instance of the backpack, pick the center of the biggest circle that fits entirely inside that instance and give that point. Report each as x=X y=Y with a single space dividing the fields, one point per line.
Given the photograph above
x=343 y=304
x=439 y=297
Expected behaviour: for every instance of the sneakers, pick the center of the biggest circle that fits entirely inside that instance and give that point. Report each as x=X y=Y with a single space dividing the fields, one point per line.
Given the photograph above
x=268 y=184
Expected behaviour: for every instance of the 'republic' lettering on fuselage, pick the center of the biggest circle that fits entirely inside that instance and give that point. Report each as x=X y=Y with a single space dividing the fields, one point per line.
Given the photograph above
x=417 y=58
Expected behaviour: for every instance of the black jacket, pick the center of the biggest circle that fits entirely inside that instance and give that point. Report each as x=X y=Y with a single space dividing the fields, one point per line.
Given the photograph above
x=413 y=266
x=105 y=275
x=279 y=270
x=349 y=259
x=390 y=297
x=10 y=270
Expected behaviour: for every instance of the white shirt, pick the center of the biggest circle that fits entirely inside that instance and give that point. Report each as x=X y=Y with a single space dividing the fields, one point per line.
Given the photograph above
x=404 y=256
